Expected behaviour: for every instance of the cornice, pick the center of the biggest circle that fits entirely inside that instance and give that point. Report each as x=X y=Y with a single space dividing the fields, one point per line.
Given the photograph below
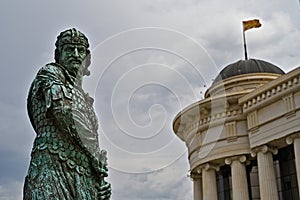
x=267 y=92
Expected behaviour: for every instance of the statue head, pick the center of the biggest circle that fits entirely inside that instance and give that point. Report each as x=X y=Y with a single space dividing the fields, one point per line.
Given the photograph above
x=72 y=51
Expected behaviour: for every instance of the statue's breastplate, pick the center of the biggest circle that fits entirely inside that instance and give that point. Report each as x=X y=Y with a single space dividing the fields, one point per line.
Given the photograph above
x=81 y=106
x=53 y=140
x=85 y=119
x=74 y=98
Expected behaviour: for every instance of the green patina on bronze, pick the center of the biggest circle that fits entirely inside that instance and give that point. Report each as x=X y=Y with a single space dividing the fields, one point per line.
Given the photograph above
x=66 y=161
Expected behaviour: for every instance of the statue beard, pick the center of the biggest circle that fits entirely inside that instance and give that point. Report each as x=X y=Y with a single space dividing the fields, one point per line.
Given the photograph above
x=75 y=69
x=79 y=68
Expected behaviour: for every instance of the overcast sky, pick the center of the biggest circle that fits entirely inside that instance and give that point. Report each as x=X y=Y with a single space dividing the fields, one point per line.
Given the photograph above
x=150 y=59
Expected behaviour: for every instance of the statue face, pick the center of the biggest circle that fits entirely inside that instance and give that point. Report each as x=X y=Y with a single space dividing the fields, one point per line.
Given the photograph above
x=72 y=57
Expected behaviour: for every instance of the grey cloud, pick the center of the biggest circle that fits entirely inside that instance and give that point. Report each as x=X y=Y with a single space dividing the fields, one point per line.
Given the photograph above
x=11 y=190
x=165 y=184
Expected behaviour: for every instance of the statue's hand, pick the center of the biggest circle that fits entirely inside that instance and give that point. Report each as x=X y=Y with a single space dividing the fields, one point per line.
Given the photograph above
x=104 y=192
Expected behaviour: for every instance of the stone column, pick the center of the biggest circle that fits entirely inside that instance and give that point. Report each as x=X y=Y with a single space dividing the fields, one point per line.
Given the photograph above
x=239 y=177
x=266 y=172
x=210 y=191
x=296 y=140
x=197 y=180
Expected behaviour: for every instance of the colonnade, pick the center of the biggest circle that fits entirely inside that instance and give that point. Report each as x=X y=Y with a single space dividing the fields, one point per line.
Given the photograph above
x=205 y=182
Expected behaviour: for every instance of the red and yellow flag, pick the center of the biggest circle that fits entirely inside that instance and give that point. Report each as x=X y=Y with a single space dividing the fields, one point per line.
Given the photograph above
x=251 y=24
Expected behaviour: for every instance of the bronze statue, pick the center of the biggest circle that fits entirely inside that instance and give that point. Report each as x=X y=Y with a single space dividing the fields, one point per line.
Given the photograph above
x=66 y=162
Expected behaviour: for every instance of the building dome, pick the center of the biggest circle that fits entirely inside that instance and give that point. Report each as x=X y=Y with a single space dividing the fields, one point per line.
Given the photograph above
x=246 y=67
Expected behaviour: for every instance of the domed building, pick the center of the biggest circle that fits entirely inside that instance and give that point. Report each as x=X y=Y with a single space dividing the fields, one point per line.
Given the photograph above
x=243 y=138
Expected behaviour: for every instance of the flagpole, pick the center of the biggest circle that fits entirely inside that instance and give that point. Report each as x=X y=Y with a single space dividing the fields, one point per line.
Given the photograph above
x=246 y=26
x=245 y=47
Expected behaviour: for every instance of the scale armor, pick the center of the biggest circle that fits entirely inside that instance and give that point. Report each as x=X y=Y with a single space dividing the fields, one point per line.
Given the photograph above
x=53 y=90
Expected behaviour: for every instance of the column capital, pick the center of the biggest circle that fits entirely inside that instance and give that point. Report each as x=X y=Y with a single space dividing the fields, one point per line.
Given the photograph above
x=196 y=171
x=209 y=166
x=290 y=139
x=264 y=149
x=195 y=176
x=241 y=159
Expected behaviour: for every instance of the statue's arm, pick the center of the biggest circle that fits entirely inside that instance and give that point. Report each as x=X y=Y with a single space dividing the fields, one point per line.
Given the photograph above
x=58 y=106
x=50 y=86
x=61 y=112
x=60 y=109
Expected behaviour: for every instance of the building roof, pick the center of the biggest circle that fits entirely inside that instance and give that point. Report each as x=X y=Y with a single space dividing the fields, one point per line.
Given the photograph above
x=246 y=67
